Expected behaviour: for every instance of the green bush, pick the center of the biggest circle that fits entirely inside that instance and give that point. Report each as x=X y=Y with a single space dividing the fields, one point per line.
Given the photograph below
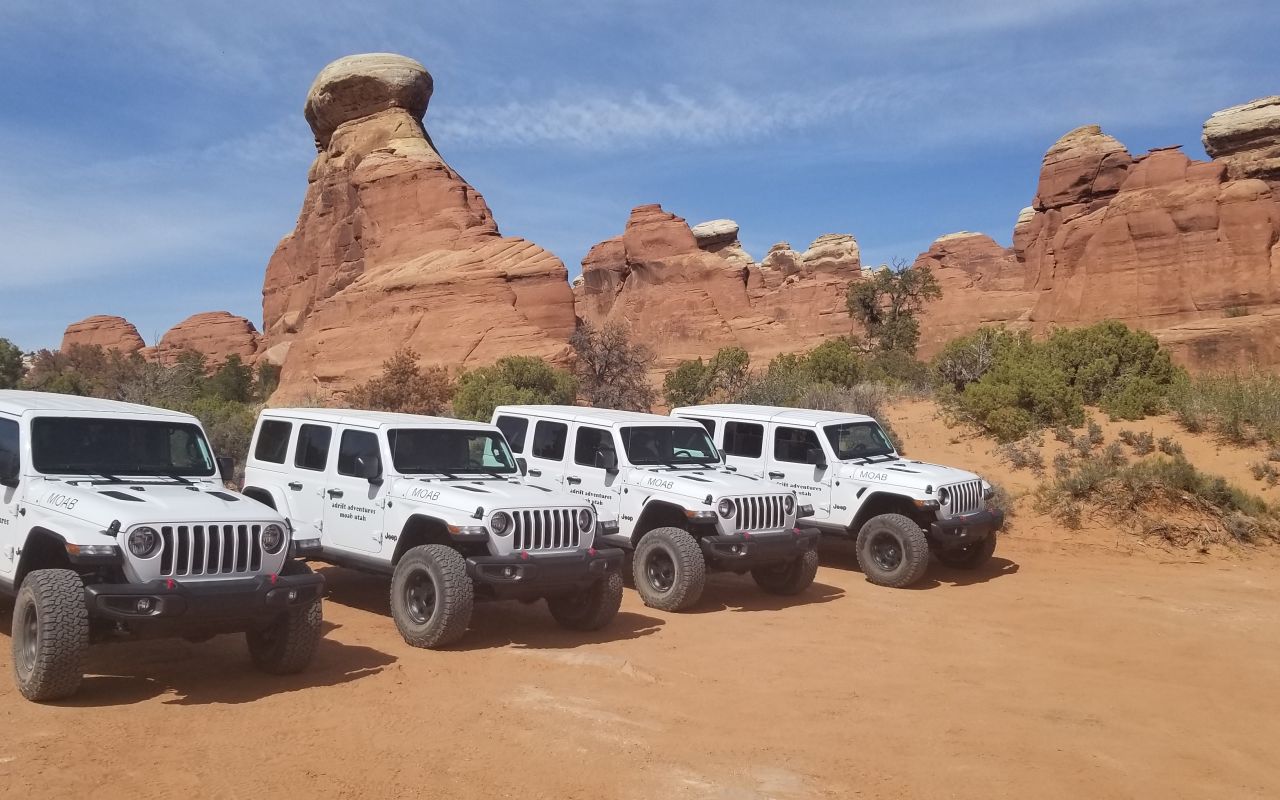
x=1239 y=408
x=510 y=381
x=835 y=361
x=11 y=366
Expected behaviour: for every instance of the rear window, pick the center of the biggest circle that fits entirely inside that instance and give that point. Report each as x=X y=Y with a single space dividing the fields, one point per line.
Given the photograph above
x=515 y=429
x=273 y=441
x=312 y=451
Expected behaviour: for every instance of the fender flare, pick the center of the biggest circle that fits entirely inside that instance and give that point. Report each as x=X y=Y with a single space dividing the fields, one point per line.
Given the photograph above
x=658 y=507
x=279 y=500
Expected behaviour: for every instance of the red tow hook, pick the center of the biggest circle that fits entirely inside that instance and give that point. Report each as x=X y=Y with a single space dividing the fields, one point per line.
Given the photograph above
x=273 y=579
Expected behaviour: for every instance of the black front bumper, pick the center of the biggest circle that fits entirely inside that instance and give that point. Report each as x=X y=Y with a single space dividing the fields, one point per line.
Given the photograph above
x=200 y=603
x=743 y=551
x=947 y=534
x=533 y=575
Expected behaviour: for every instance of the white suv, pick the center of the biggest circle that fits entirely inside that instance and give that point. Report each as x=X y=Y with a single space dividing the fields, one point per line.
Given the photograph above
x=678 y=507
x=114 y=521
x=440 y=506
x=848 y=469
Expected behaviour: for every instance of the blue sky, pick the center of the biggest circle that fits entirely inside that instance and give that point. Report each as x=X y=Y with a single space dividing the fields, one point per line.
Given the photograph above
x=153 y=153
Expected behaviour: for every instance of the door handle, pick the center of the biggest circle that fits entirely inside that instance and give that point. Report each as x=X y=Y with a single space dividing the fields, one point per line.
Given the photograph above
x=295 y=486
x=537 y=473
x=335 y=493
x=573 y=480
x=777 y=475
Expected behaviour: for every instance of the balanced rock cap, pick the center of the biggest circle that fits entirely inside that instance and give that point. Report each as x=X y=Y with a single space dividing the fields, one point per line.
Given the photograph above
x=357 y=86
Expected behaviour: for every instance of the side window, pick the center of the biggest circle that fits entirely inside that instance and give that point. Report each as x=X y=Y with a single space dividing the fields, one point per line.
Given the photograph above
x=312 y=451
x=356 y=444
x=515 y=429
x=709 y=424
x=794 y=444
x=273 y=441
x=10 y=461
x=549 y=439
x=590 y=445
x=743 y=439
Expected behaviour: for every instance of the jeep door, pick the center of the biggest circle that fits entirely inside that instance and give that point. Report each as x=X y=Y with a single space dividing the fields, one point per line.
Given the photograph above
x=593 y=472
x=10 y=470
x=307 y=481
x=798 y=460
x=355 y=496
x=743 y=446
x=547 y=449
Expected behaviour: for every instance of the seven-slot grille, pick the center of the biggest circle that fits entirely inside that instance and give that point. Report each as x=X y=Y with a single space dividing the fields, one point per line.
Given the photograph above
x=966 y=497
x=545 y=528
x=210 y=549
x=760 y=512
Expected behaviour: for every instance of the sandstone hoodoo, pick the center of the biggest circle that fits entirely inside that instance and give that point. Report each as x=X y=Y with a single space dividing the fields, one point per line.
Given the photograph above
x=1247 y=139
x=107 y=332
x=214 y=334
x=688 y=292
x=394 y=248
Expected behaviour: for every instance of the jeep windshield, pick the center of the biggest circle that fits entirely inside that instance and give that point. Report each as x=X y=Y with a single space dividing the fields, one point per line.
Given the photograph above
x=851 y=440
x=669 y=446
x=436 y=451
x=110 y=447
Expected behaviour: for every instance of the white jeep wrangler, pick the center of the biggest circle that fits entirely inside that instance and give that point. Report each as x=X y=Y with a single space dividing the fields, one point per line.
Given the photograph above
x=678 y=507
x=846 y=466
x=114 y=521
x=440 y=506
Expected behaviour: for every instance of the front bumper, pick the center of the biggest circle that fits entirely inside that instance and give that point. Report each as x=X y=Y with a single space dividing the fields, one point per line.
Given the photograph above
x=531 y=574
x=743 y=551
x=199 y=602
x=966 y=529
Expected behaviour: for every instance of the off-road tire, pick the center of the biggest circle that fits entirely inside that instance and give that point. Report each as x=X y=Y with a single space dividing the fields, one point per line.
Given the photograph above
x=589 y=609
x=789 y=578
x=681 y=571
x=970 y=556
x=892 y=551
x=287 y=645
x=441 y=572
x=50 y=634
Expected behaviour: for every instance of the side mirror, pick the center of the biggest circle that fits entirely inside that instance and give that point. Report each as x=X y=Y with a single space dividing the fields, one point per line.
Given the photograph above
x=522 y=465
x=609 y=460
x=369 y=468
x=226 y=468
x=817 y=458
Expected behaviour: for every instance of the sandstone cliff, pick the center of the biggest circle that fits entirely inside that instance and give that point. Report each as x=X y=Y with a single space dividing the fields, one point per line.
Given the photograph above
x=394 y=248
x=686 y=293
x=107 y=332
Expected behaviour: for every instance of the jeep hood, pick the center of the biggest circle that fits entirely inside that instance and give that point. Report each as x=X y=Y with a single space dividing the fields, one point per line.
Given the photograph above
x=904 y=473
x=140 y=503
x=696 y=484
x=466 y=496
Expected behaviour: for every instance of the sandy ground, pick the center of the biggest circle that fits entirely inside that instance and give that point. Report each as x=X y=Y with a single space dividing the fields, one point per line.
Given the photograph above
x=1067 y=668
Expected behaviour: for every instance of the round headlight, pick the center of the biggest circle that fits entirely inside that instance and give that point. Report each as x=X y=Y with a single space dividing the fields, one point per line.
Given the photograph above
x=789 y=504
x=144 y=542
x=500 y=523
x=584 y=520
x=725 y=508
x=273 y=538
x=944 y=496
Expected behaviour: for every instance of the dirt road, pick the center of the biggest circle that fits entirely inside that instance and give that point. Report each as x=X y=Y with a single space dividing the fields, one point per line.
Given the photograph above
x=1051 y=675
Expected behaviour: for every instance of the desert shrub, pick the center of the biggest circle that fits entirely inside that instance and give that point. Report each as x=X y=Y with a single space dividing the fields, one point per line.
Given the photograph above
x=836 y=361
x=228 y=424
x=612 y=371
x=514 y=380
x=1238 y=407
x=898 y=368
x=1264 y=471
x=1062 y=463
x=1001 y=500
x=404 y=387
x=1274 y=454
x=724 y=378
x=1063 y=434
x=1022 y=454
x=11 y=366
x=1169 y=446
x=780 y=384
x=1094 y=432
x=966 y=359
x=1231 y=312
x=1143 y=442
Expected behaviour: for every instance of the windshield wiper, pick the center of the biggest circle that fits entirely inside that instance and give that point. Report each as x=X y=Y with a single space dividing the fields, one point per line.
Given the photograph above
x=180 y=479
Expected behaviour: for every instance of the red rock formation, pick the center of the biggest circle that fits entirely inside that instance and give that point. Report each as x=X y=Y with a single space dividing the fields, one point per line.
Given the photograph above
x=394 y=248
x=982 y=284
x=686 y=302
x=1247 y=139
x=107 y=332
x=215 y=334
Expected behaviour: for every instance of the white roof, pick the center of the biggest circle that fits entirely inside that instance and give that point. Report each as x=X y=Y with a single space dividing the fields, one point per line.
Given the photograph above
x=371 y=419
x=17 y=402
x=795 y=416
x=607 y=417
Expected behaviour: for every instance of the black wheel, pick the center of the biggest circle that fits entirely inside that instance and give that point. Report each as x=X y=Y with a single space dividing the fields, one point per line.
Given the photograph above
x=892 y=551
x=50 y=634
x=589 y=609
x=971 y=556
x=791 y=577
x=668 y=569
x=288 y=644
x=431 y=596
